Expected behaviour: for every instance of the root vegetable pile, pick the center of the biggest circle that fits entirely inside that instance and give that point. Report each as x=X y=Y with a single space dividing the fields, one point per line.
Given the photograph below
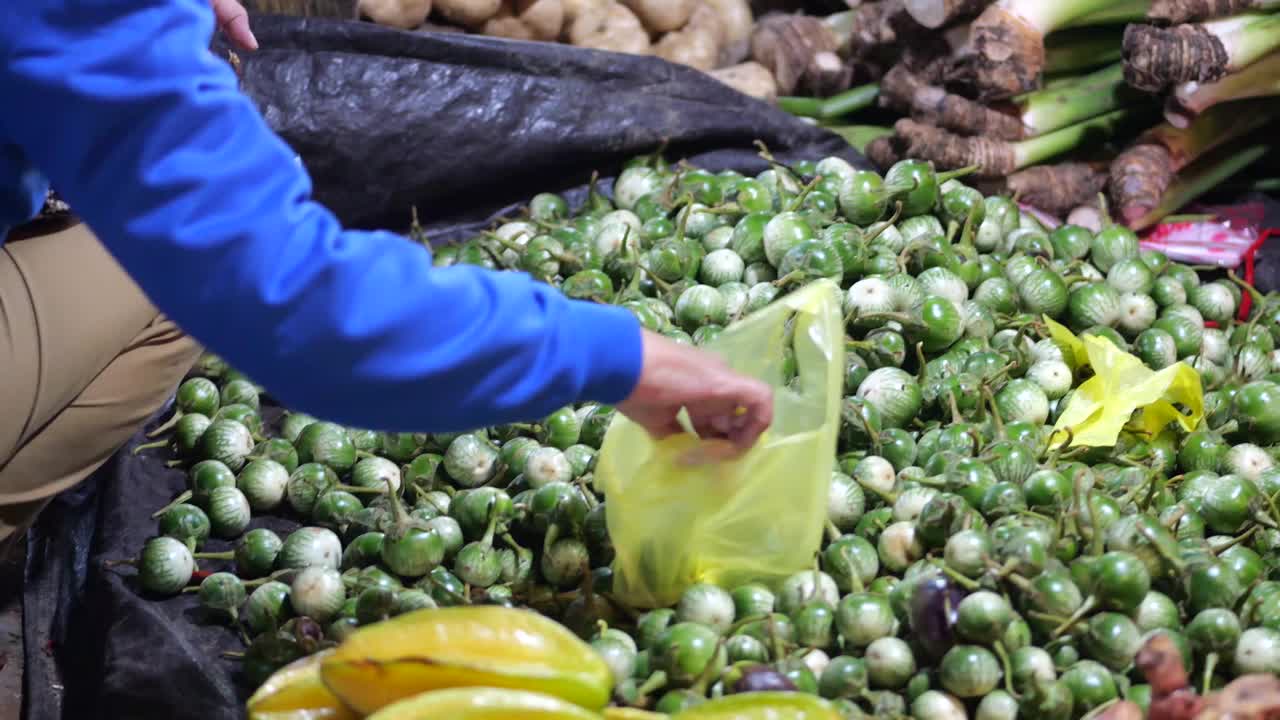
x=1069 y=87
x=975 y=562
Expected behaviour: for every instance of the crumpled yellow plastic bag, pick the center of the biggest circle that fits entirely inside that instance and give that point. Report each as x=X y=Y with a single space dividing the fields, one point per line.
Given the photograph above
x=1101 y=407
x=758 y=517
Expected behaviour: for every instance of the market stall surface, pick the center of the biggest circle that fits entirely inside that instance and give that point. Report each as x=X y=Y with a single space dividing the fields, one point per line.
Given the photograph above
x=11 y=636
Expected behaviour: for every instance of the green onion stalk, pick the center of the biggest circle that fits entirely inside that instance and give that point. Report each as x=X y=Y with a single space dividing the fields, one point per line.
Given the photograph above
x=1260 y=79
x=839 y=105
x=1095 y=94
x=1206 y=174
x=1115 y=13
x=859 y=136
x=1072 y=51
x=1158 y=59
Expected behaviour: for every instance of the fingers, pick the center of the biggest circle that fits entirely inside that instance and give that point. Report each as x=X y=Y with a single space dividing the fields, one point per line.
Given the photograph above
x=233 y=20
x=741 y=412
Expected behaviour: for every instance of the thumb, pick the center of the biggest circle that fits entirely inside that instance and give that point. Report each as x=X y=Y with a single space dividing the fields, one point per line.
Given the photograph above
x=233 y=20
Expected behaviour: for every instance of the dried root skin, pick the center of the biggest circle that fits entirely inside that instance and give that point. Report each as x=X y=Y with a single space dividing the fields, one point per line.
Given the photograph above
x=1057 y=189
x=1139 y=178
x=787 y=46
x=1007 y=56
x=1156 y=59
x=993 y=158
x=883 y=152
x=878 y=24
x=934 y=14
x=1176 y=12
x=903 y=91
x=827 y=74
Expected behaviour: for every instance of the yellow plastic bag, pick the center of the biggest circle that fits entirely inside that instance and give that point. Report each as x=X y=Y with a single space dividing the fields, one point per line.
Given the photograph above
x=756 y=518
x=1101 y=407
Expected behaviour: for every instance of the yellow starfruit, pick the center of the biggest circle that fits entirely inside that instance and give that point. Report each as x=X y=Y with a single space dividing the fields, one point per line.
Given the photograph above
x=479 y=646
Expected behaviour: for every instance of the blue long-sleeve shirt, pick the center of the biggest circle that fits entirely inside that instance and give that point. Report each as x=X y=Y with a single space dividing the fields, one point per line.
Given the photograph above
x=144 y=132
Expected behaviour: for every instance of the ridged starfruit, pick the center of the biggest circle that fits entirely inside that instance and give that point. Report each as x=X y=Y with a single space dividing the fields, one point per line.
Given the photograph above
x=468 y=646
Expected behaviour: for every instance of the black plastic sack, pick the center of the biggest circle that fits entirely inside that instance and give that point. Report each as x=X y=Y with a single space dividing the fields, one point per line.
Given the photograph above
x=461 y=127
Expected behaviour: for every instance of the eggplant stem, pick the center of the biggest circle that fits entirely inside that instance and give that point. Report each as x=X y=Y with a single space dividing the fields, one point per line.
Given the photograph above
x=833 y=532
x=804 y=193
x=966 y=582
x=150 y=446
x=1085 y=608
x=995 y=412
x=1210 y=664
x=1236 y=540
x=183 y=496
x=1003 y=654
x=167 y=424
x=655 y=681
x=886 y=224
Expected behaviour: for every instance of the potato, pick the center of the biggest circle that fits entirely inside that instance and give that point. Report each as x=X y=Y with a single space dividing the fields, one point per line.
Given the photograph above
x=468 y=13
x=749 y=78
x=697 y=47
x=735 y=22
x=660 y=16
x=544 y=18
x=508 y=27
x=403 y=14
x=616 y=29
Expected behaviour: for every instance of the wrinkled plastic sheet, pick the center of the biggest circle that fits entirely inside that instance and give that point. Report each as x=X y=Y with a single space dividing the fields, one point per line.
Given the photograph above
x=463 y=128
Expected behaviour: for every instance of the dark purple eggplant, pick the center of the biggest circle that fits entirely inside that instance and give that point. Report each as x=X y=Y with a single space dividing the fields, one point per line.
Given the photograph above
x=762 y=678
x=933 y=615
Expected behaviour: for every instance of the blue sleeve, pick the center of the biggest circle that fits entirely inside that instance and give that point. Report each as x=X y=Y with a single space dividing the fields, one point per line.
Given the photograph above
x=145 y=133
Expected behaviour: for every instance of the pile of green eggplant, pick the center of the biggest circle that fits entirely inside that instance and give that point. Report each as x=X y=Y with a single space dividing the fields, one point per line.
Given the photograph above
x=969 y=568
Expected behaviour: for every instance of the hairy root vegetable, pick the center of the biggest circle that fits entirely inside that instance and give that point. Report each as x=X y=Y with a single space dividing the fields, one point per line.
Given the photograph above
x=934 y=14
x=876 y=25
x=885 y=151
x=749 y=78
x=1008 y=49
x=998 y=158
x=993 y=157
x=403 y=14
x=903 y=91
x=616 y=29
x=468 y=13
x=662 y=16
x=1142 y=174
x=1056 y=189
x=787 y=45
x=1176 y=12
x=1158 y=58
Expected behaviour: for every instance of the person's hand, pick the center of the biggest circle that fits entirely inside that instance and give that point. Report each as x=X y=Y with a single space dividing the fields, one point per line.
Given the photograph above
x=722 y=404
x=233 y=20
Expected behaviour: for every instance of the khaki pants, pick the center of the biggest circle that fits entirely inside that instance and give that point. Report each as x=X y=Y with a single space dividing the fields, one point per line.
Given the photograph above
x=85 y=359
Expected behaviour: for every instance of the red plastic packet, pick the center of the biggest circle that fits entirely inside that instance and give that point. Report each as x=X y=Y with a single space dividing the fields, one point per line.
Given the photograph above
x=1230 y=239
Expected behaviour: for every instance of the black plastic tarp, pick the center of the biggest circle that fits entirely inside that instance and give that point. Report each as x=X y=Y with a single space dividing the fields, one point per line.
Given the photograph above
x=459 y=126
